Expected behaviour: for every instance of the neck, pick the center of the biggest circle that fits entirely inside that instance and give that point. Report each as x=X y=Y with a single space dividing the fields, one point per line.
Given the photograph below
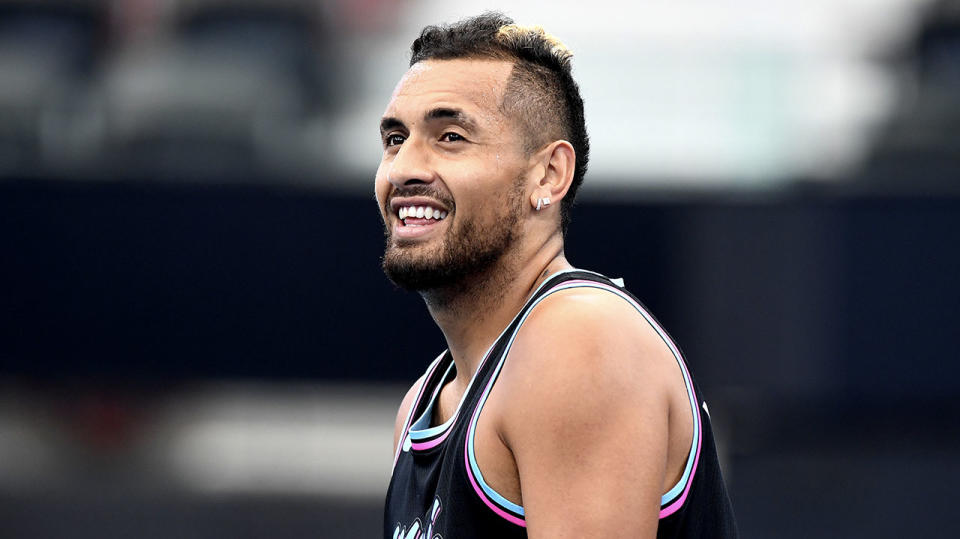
x=472 y=314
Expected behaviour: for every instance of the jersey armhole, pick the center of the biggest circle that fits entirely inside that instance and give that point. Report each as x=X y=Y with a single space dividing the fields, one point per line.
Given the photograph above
x=413 y=407
x=670 y=502
x=674 y=498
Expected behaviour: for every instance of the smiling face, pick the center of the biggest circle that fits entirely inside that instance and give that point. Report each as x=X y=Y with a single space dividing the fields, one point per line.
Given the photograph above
x=451 y=184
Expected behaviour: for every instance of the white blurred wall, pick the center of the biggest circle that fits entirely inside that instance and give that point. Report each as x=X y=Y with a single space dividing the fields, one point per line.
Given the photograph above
x=689 y=93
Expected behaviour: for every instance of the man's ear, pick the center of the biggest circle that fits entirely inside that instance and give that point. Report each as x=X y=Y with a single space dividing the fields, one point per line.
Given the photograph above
x=557 y=162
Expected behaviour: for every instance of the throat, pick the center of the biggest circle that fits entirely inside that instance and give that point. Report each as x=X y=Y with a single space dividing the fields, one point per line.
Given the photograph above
x=471 y=316
x=470 y=301
x=448 y=400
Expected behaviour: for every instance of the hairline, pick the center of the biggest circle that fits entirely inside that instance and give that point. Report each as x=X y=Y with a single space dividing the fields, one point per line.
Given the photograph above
x=530 y=142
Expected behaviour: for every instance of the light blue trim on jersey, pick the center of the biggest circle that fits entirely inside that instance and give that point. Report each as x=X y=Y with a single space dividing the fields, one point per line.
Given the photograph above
x=691 y=457
x=405 y=441
x=422 y=431
x=688 y=383
x=471 y=453
x=421 y=428
x=493 y=494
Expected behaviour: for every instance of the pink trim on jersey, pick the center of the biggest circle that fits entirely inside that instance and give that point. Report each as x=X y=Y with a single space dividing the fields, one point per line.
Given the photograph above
x=678 y=503
x=675 y=506
x=483 y=497
x=436 y=441
x=466 y=459
x=474 y=418
x=413 y=409
x=665 y=512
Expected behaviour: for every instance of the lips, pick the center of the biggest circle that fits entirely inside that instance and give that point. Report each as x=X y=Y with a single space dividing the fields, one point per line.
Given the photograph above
x=416 y=216
x=418 y=210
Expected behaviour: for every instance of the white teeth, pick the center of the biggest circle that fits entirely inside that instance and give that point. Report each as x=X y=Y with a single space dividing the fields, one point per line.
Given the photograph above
x=420 y=212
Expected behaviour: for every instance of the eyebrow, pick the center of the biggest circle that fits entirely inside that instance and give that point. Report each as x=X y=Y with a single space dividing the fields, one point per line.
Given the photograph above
x=440 y=113
x=445 y=113
x=389 y=123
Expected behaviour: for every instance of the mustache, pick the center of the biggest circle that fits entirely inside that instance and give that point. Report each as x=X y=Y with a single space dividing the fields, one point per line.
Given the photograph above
x=419 y=190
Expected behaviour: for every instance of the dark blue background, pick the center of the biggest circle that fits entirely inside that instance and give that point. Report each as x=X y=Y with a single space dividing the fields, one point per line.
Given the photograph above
x=146 y=281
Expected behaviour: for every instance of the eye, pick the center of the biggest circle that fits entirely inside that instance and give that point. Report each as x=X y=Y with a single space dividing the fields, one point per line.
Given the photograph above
x=393 y=140
x=451 y=137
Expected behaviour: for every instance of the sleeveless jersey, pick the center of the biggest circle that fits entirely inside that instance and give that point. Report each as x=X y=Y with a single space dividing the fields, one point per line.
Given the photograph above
x=438 y=492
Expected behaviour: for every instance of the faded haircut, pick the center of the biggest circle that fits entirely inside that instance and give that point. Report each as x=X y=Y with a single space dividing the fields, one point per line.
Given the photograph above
x=540 y=92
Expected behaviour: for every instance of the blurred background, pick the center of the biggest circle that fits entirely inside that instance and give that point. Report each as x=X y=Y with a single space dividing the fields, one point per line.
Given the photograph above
x=196 y=339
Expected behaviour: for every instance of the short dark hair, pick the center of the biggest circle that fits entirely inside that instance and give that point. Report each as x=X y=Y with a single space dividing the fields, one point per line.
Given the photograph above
x=541 y=91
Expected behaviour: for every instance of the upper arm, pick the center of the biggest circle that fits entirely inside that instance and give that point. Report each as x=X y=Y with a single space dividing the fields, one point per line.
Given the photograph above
x=587 y=421
x=404 y=411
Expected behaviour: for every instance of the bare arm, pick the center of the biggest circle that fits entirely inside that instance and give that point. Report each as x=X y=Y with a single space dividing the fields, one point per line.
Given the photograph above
x=588 y=421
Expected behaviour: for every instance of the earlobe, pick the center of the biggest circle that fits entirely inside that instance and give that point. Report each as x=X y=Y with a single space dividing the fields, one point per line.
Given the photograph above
x=540 y=199
x=558 y=173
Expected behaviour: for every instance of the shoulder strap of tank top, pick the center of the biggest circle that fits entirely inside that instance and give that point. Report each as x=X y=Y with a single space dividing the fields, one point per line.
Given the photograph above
x=674 y=499
x=552 y=282
x=432 y=377
x=490 y=369
x=437 y=369
x=582 y=274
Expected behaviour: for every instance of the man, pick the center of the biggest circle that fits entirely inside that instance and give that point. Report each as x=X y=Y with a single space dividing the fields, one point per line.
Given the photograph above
x=561 y=408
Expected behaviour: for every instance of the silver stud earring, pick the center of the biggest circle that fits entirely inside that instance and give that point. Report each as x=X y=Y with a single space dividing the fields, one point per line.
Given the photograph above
x=542 y=203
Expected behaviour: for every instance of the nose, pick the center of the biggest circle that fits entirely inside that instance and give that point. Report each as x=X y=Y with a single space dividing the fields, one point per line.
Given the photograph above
x=411 y=165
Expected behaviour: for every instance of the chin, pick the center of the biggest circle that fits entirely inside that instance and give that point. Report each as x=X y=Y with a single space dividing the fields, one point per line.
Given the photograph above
x=454 y=261
x=415 y=275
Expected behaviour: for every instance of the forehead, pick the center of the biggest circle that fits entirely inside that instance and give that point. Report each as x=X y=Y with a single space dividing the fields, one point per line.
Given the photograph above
x=476 y=85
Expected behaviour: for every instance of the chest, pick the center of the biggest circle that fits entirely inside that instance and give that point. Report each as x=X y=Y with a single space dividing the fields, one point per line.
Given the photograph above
x=437 y=480
x=492 y=455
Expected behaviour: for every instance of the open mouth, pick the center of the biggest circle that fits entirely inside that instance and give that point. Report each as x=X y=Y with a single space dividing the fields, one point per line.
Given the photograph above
x=420 y=215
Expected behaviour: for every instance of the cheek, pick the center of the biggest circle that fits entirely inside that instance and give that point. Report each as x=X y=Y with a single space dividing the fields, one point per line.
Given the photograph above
x=381 y=187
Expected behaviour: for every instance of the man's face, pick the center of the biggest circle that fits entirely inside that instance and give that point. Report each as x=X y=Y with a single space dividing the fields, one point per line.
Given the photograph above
x=451 y=184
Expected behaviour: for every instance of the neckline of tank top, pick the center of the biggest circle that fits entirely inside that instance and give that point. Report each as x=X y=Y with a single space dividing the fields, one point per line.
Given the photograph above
x=435 y=430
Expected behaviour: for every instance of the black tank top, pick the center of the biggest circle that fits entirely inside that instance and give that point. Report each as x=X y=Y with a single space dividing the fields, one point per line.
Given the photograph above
x=438 y=492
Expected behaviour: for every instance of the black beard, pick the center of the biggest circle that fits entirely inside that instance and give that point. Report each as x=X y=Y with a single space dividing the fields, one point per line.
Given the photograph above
x=465 y=255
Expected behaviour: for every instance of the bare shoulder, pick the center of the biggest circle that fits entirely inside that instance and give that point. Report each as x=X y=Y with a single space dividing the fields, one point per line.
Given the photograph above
x=584 y=339
x=404 y=410
x=584 y=406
